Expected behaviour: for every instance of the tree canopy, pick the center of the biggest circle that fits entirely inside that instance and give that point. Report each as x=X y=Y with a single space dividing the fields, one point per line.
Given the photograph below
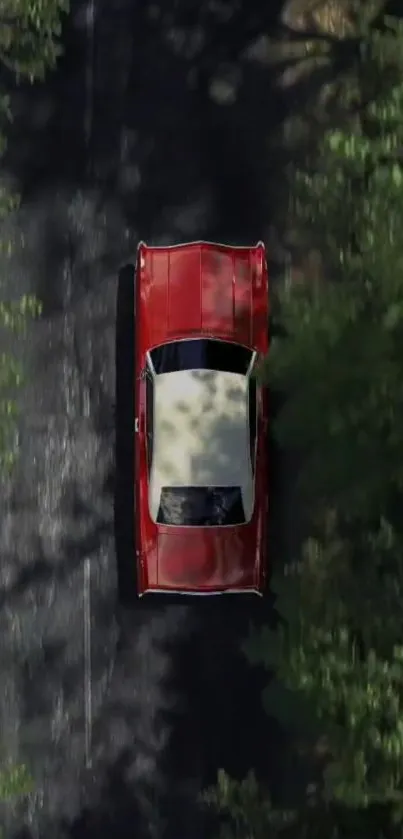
x=29 y=35
x=338 y=652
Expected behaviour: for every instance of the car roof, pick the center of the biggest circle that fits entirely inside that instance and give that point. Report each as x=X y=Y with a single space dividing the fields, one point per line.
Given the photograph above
x=201 y=433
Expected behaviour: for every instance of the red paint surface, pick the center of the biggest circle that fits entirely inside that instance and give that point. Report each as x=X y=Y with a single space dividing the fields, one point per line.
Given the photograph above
x=186 y=291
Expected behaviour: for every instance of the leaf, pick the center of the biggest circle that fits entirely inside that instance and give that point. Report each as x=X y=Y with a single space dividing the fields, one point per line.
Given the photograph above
x=336 y=655
x=15 y=780
x=393 y=316
x=397 y=175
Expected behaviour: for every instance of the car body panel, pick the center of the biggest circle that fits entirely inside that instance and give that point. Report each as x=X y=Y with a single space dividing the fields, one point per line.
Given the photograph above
x=203 y=289
x=190 y=291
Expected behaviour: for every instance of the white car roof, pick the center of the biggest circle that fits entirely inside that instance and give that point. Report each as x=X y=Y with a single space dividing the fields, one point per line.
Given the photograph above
x=201 y=434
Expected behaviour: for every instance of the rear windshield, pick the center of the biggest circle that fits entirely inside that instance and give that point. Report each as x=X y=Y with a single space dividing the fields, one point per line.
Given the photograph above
x=201 y=354
x=201 y=506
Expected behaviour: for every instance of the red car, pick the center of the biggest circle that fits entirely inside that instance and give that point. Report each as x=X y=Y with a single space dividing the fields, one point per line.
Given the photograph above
x=199 y=426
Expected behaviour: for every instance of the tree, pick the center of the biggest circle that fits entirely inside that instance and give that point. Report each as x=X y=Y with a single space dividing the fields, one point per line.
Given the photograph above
x=338 y=652
x=29 y=35
x=29 y=45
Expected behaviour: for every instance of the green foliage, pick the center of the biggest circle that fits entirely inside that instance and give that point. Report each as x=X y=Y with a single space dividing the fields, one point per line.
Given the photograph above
x=247 y=807
x=338 y=652
x=29 y=45
x=341 y=362
x=341 y=365
x=13 y=318
x=29 y=35
x=14 y=780
x=355 y=690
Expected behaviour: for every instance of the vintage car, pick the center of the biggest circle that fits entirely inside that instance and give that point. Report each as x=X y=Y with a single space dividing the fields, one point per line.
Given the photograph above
x=191 y=506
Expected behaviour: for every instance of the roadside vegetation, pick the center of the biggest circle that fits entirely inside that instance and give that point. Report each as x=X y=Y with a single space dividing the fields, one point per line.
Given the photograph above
x=338 y=649
x=29 y=46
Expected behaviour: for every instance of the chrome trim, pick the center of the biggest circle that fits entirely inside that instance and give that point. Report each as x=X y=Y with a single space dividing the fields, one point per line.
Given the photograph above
x=251 y=363
x=253 y=462
x=150 y=364
x=202 y=593
x=202 y=336
x=258 y=244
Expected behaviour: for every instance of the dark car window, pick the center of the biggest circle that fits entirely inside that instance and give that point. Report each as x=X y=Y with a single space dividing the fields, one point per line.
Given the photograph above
x=149 y=418
x=201 y=354
x=201 y=506
x=252 y=421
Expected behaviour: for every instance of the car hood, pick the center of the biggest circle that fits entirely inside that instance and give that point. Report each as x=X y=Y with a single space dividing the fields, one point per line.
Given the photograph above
x=201 y=289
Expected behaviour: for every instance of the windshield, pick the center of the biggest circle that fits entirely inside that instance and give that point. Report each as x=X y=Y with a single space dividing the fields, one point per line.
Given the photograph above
x=201 y=506
x=201 y=354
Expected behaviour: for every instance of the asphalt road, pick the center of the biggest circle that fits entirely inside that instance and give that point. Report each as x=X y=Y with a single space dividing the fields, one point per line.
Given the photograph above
x=121 y=719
